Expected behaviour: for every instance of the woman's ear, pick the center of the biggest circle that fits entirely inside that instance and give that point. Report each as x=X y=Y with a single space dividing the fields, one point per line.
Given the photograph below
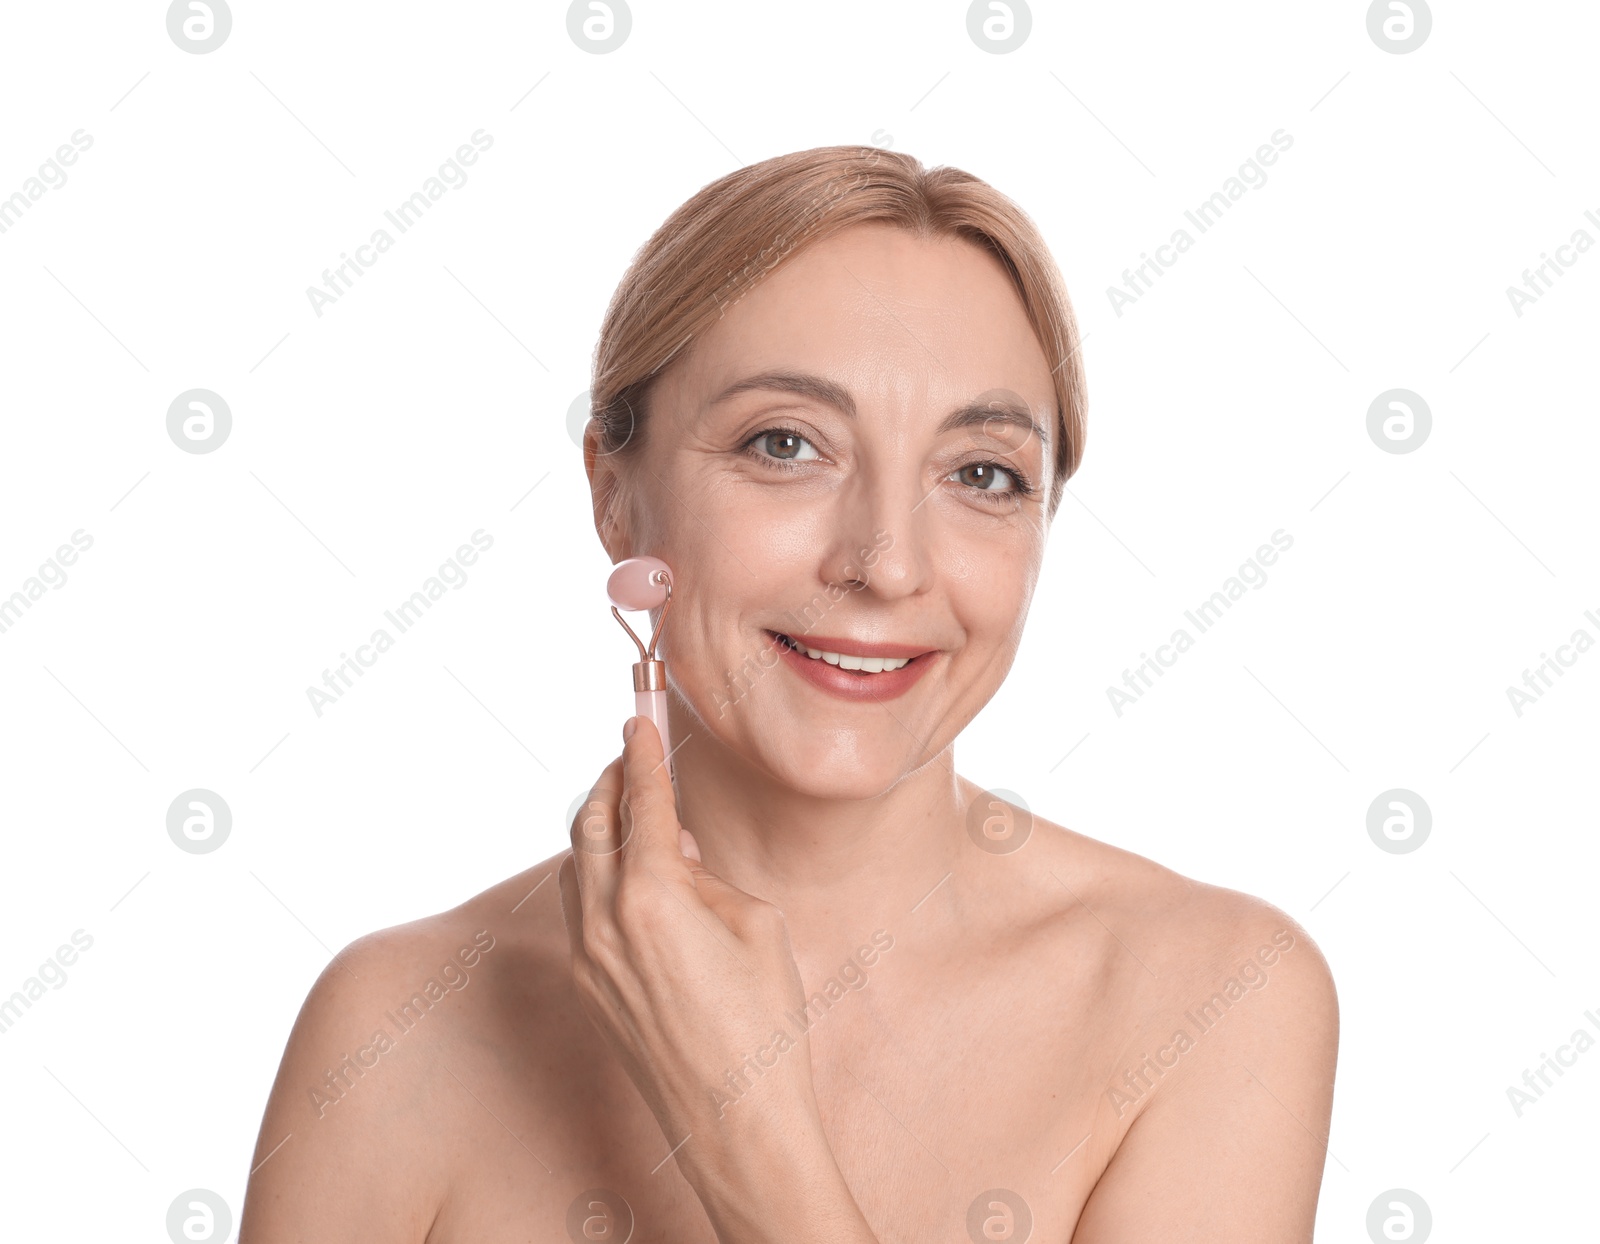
x=606 y=491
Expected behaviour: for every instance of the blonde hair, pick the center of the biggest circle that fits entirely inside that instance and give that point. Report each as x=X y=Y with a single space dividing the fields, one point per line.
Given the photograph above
x=714 y=247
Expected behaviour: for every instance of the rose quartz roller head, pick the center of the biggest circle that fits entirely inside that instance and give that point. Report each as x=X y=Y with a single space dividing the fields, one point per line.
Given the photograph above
x=644 y=583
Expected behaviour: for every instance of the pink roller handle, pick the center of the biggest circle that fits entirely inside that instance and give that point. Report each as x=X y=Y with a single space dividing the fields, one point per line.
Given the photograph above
x=653 y=704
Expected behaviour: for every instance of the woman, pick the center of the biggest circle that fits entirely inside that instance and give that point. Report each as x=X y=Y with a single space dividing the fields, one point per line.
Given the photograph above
x=838 y=992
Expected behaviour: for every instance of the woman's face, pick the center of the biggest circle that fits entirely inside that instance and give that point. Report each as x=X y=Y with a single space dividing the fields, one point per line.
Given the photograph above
x=838 y=503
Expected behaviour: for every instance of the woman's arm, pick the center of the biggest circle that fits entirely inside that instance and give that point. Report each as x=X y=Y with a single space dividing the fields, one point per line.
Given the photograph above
x=683 y=974
x=1231 y=1145
x=336 y=1161
x=773 y=1185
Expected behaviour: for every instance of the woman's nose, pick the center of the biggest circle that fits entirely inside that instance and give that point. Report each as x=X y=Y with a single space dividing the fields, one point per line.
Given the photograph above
x=880 y=540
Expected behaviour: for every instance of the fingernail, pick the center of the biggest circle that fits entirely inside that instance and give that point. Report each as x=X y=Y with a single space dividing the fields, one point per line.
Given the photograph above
x=628 y=727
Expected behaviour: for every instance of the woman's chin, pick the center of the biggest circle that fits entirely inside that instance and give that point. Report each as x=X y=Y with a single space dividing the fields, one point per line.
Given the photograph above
x=854 y=790
x=834 y=773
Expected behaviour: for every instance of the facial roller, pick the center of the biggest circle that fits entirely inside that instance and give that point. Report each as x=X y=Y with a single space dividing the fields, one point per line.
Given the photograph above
x=640 y=583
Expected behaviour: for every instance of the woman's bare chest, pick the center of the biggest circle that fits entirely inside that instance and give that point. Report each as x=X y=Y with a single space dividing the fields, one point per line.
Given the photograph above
x=945 y=1115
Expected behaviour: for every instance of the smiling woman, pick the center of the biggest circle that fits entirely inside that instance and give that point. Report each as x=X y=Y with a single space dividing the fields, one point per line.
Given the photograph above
x=840 y=394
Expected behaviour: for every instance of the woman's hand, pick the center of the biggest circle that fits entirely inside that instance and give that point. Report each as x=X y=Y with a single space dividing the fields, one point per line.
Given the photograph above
x=690 y=980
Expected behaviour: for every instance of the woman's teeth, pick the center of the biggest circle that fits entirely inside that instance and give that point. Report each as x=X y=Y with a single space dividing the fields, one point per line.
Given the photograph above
x=865 y=665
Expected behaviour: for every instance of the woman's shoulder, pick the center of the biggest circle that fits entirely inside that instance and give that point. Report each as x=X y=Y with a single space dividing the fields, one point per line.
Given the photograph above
x=406 y=1022
x=423 y=974
x=1180 y=935
x=1216 y=1015
x=513 y=920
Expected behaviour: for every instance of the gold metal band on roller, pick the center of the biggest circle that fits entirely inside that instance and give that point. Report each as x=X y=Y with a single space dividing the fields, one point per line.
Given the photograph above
x=649 y=676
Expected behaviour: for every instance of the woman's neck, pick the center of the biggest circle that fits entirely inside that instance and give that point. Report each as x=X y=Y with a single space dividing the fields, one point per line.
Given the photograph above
x=837 y=868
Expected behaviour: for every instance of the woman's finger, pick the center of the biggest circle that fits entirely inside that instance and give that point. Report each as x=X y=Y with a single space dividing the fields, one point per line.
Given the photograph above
x=660 y=849
x=733 y=906
x=593 y=984
x=571 y=903
x=598 y=834
x=650 y=813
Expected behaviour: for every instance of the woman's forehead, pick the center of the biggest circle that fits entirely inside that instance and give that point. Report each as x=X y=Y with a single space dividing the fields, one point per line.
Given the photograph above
x=873 y=267
x=870 y=324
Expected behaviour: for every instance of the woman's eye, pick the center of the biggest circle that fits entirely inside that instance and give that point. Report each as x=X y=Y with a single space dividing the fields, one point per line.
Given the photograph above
x=785 y=446
x=983 y=476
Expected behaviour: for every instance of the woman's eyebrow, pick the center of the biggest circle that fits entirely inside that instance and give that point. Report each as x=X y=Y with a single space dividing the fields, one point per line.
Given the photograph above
x=806 y=384
x=819 y=388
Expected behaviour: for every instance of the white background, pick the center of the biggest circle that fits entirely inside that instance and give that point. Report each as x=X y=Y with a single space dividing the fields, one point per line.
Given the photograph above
x=368 y=443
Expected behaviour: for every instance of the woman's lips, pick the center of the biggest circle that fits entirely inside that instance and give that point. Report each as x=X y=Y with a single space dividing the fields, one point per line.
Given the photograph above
x=850 y=684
